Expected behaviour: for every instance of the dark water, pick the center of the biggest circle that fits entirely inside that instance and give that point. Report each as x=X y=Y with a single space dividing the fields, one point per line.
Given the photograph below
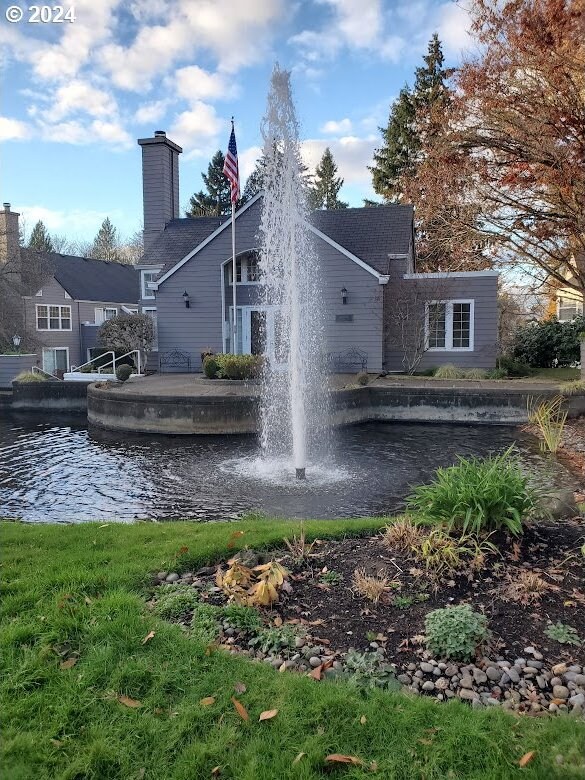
x=64 y=473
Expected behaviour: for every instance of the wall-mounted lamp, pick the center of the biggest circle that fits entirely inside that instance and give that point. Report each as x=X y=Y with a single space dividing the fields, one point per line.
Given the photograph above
x=186 y=299
x=343 y=295
x=16 y=341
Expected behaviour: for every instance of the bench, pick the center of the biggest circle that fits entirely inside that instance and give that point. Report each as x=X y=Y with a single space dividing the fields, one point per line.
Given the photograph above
x=352 y=359
x=173 y=360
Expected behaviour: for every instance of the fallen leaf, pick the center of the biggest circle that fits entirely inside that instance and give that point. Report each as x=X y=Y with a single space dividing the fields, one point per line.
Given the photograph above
x=183 y=550
x=148 y=637
x=88 y=601
x=68 y=664
x=527 y=758
x=207 y=701
x=232 y=540
x=216 y=771
x=282 y=667
x=128 y=702
x=316 y=673
x=141 y=773
x=278 y=621
x=363 y=720
x=374 y=766
x=298 y=758
x=104 y=526
x=57 y=742
x=240 y=709
x=339 y=758
x=268 y=714
x=159 y=711
x=239 y=687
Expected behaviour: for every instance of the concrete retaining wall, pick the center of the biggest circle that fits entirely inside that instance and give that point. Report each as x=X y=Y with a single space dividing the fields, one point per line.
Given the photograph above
x=12 y=365
x=239 y=414
x=50 y=396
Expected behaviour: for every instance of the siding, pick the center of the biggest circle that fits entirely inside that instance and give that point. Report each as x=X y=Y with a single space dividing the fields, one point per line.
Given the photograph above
x=481 y=289
x=81 y=312
x=191 y=330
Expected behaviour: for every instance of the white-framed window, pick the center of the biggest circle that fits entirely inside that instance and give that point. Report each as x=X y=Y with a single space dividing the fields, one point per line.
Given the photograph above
x=39 y=294
x=449 y=326
x=247 y=270
x=53 y=317
x=55 y=359
x=105 y=313
x=568 y=308
x=145 y=278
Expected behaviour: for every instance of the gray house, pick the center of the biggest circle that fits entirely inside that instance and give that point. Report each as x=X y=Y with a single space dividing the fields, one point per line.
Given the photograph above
x=373 y=299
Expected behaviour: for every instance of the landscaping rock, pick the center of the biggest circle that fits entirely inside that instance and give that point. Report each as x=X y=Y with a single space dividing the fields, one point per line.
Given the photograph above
x=578 y=700
x=559 y=669
x=173 y=577
x=426 y=667
x=493 y=673
x=466 y=682
x=429 y=685
x=468 y=695
x=315 y=661
x=561 y=692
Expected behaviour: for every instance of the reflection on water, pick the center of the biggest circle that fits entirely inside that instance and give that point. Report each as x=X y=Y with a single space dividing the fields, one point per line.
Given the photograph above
x=63 y=473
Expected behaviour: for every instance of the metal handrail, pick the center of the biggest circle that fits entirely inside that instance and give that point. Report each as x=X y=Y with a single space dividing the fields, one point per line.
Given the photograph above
x=41 y=371
x=90 y=362
x=117 y=359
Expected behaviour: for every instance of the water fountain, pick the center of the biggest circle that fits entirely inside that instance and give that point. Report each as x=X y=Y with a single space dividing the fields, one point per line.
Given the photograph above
x=291 y=397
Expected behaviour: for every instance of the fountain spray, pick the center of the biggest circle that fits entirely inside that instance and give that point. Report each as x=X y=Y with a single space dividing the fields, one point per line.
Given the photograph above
x=290 y=277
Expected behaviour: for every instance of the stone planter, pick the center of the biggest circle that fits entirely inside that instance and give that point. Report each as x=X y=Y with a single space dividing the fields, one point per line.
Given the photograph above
x=12 y=365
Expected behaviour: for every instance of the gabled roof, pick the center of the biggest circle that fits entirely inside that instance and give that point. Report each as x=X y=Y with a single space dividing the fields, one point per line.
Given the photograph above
x=92 y=280
x=373 y=235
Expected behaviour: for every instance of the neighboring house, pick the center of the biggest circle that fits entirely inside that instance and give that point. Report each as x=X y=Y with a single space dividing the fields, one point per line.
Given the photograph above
x=77 y=296
x=373 y=299
x=569 y=304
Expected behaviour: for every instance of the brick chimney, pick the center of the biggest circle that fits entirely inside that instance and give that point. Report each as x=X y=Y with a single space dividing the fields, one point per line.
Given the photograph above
x=9 y=238
x=160 y=183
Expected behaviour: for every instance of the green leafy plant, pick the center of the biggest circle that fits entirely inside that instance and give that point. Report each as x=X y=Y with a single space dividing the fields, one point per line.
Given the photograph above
x=205 y=625
x=540 y=344
x=477 y=495
x=243 y=618
x=239 y=366
x=330 y=577
x=550 y=418
x=368 y=670
x=402 y=602
x=298 y=546
x=497 y=373
x=275 y=640
x=513 y=367
x=211 y=367
x=475 y=373
x=175 y=601
x=455 y=632
x=30 y=376
x=561 y=632
x=124 y=372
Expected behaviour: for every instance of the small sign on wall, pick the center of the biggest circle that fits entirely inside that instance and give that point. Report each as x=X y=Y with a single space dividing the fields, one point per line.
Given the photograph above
x=344 y=318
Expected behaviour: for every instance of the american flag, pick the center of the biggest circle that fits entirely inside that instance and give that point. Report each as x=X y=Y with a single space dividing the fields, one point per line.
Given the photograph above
x=230 y=167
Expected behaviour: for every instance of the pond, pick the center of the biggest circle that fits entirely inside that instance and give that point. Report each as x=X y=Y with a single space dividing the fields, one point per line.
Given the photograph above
x=61 y=472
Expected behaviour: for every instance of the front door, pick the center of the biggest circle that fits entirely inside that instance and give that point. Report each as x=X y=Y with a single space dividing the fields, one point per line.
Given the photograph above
x=255 y=330
x=55 y=359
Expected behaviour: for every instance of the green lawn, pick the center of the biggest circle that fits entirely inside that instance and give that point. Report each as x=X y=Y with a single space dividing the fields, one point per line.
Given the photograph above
x=82 y=588
x=562 y=374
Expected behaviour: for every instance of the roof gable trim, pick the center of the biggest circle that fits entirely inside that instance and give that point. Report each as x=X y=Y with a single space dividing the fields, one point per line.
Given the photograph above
x=344 y=251
x=204 y=243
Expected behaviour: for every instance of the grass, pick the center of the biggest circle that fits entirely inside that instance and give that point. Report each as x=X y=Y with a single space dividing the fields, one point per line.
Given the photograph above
x=80 y=591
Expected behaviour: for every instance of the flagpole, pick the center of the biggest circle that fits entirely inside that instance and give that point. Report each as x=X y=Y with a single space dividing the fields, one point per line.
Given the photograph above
x=234 y=278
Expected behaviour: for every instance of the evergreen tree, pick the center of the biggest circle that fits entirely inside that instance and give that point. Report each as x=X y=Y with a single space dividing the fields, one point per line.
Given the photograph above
x=106 y=244
x=217 y=200
x=255 y=181
x=40 y=238
x=398 y=156
x=325 y=191
x=432 y=95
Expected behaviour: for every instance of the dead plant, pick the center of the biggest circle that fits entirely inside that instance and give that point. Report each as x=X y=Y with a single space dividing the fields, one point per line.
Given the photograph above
x=372 y=587
x=403 y=535
x=256 y=587
x=524 y=586
x=298 y=546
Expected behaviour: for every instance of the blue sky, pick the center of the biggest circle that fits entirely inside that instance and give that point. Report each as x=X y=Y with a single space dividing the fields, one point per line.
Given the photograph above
x=77 y=95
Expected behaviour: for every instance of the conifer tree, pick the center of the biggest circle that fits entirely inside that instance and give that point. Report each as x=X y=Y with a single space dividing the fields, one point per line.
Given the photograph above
x=216 y=200
x=106 y=244
x=40 y=238
x=325 y=191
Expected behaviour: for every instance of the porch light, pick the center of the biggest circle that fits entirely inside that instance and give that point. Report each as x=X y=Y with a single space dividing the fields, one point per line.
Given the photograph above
x=186 y=299
x=343 y=295
x=16 y=341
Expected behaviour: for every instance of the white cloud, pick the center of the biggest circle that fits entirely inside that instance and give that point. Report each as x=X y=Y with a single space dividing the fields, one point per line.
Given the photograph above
x=453 y=23
x=351 y=153
x=111 y=133
x=79 y=96
x=13 y=129
x=194 y=83
x=337 y=127
x=247 y=161
x=74 y=223
x=151 y=112
x=359 y=22
x=195 y=129
x=75 y=132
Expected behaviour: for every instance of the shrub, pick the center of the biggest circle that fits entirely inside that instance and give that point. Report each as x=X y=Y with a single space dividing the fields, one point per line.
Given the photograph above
x=448 y=371
x=124 y=372
x=362 y=378
x=576 y=387
x=475 y=373
x=455 y=632
x=403 y=535
x=550 y=418
x=477 y=495
x=210 y=367
x=239 y=366
x=29 y=376
x=497 y=373
x=127 y=332
x=540 y=344
x=206 y=352
x=513 y=367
